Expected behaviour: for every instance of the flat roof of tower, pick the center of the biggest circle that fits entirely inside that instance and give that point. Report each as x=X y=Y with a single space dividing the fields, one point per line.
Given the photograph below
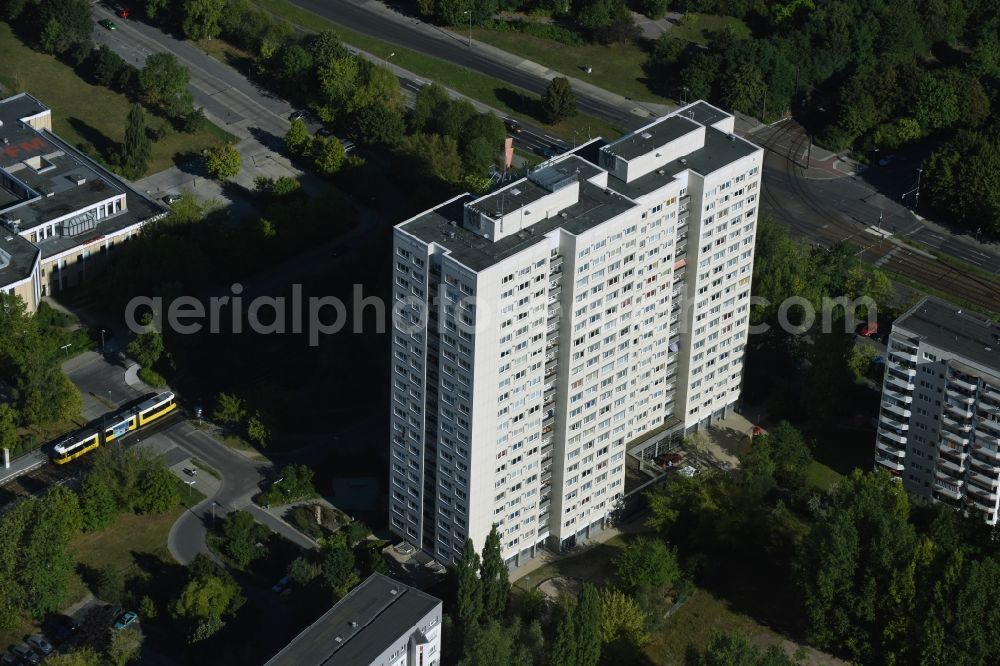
x=961 y=331
x=647 y=139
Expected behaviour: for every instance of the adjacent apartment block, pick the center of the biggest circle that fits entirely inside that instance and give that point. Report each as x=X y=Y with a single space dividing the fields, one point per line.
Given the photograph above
x=541 y=328
x=60 y=213
x=939 y=422
x=381 y=622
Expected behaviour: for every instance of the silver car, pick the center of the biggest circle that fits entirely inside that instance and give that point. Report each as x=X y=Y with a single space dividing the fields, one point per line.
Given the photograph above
x=40 y=645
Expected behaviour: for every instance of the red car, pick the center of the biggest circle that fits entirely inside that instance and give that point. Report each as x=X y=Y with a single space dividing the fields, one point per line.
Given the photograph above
x=868 y=329
x=123 y=12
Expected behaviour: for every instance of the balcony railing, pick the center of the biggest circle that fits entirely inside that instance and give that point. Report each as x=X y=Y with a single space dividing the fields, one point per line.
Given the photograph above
x=890 y=463
x=951 y=467
x=892 y=448
x=954 y=437
x=958 y=410
x=955 y=425
x=954 y=451
x=896 y=409
x=948 y=489
x=960 y=396
x=962 y=383
x=891 y=435
x=899 y=382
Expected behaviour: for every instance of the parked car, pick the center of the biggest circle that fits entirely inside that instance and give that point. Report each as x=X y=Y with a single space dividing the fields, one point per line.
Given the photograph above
x=298 y=115
x=107 y=24
x=9 y=659
x=348 y=145
x=126 y=619
x=26 y=655
x=281 y=584
x=868 y=329
x=122 y=12
x=687 y=471
x=513 y=126
x=40 y=644
x=887 y=160
x=171 y=199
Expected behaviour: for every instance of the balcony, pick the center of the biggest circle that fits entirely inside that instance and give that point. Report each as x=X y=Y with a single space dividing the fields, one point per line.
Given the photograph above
x=989 y=468
x=903 y=360
x=962 y=383
x=992 y=392
x=893 y=423
x=987 y=482
x=554 y=291
x=950 y=450
x=948 y=489
x=958 y=410
x=896 y=409
x=889 y=463
x=985 y=451
x=893 y=436
x=951 y=468
x=988 y=427
x=987 y=497
x=898 y=382
x=949 y=422
x=891 y=448
x=956 y=438
x=982 y=502
x=555 y=262
x=903 y=352
x=902 y=396
x=960 y=396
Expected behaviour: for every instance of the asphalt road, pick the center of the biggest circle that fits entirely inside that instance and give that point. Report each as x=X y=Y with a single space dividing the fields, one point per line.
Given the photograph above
x=224 y=93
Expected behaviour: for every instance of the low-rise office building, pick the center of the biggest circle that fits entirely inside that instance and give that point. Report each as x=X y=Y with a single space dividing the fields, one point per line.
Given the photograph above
x=381 y=622
x=939 y=420
x=61 y=213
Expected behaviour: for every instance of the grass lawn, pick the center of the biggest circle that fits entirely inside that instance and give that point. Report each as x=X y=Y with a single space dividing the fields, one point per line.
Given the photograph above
x=592 y=565
x=822 y=476
x=83 y=113
x=694 y=624
x=511 y=100
x=698 y=27
x=617 y=67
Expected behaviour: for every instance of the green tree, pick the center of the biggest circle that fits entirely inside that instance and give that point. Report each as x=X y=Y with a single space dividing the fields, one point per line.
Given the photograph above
x=328 y=155
x=434 y=155
x=646 y=561
x=137 y=147
x=223 y=161
x=496 y=644
x=853 y=564
x=297 y=139
x=240 y=536
x=109 y=583
x=10 y=10
x=97 y=503
x=147 y=348
x=430 y=102
x=937 y=104
x=163 y=85
x=258 y=431
x=378 y=124
x=205 y=603
x=158 y=491
x=66 y=505
x=338 y=566
x=587 y=625
x=303 y=571
x=106 y=66
x=469 y=597
x=559 y=100
x=563 y=650
x=202 y=18
x=338 y=78
x=230 y=410
x=125 y=645
x=621 y=618
x=494 y=576
x=8 y=426
x=65 y=25
x=745 y=90
x=654 y=9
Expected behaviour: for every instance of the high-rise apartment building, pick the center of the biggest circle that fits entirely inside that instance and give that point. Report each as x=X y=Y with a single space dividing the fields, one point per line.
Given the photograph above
x=541 y=328
x=939 y=422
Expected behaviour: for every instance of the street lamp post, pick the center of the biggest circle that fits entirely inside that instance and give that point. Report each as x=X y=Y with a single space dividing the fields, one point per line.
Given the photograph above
x=469 y=13
x=575 y=132
x=214 y=504
x=102 y=340
x=189 y=485
x=916 y=197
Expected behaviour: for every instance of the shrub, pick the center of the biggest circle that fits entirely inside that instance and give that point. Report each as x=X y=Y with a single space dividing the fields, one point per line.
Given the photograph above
x=152 y=378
